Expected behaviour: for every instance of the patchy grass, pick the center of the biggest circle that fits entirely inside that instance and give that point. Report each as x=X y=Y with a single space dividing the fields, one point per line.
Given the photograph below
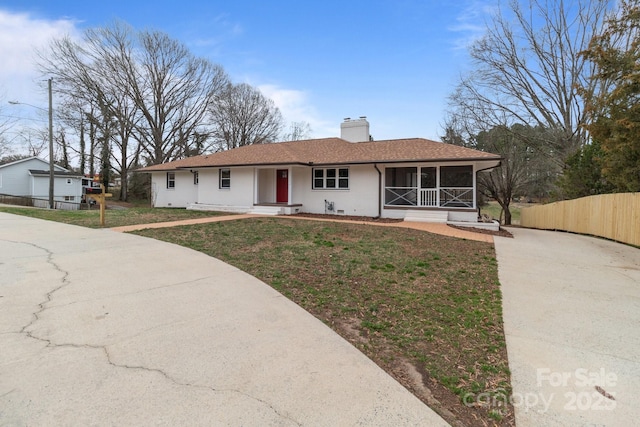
x=113 y=217
x=426 y=308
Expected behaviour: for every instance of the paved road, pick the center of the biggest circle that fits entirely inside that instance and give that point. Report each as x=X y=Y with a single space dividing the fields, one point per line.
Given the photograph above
x=572 y=324
x=105 y=328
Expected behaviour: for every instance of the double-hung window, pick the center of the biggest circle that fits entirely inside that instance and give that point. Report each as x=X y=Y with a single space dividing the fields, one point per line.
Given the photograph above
x=331 y=178
x=171 y=180
x=225 y=178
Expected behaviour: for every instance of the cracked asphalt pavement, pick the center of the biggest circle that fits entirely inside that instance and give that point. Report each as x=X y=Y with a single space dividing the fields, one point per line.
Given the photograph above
x=104 y=328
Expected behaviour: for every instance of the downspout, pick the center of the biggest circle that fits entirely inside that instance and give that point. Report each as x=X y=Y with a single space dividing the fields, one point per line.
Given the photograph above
x=379 y=190
x=476 y=189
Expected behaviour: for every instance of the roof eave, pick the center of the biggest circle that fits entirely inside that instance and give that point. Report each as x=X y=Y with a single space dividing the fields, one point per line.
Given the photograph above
x=358 y=162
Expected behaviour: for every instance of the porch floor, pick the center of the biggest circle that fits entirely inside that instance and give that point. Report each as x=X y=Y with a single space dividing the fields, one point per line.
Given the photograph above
x=282 y=205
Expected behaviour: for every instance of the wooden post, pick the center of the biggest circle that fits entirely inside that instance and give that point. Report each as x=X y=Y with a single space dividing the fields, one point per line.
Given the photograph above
x=102 y=207
x=101 y=199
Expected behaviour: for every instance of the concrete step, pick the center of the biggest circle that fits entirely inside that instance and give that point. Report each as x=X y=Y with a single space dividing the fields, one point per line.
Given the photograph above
x=267 y=210
x=426 y=216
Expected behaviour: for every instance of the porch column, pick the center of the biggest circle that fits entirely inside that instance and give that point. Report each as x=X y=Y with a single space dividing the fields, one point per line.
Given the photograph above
x=475 y=187
x=290 y=185
x=438 y=186
x=256 y=183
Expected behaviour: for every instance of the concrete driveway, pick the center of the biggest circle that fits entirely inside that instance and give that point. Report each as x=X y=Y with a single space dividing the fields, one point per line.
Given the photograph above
x=104 y=328
x=572 y=323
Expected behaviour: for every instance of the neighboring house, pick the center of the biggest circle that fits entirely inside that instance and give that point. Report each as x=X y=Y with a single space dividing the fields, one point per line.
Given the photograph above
x=30 y=178
x=414 y=179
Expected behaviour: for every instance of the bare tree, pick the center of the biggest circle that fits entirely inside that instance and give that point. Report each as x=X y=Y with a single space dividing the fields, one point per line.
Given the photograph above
x=298 y=131
x=4 y=126
x=524 y=171
x=141 y=93
x=527 y=69
x=173 y=91
x=241 y=115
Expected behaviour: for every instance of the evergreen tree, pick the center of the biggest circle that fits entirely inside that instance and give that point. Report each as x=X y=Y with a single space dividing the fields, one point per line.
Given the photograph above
x=614 y=110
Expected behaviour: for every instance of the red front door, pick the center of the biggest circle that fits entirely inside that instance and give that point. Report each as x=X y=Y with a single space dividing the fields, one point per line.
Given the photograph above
x=282 y=186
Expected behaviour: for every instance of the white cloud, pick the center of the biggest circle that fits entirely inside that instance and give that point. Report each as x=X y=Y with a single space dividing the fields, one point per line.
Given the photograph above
x=296 y=107
x=20 y=35
x=471 y=22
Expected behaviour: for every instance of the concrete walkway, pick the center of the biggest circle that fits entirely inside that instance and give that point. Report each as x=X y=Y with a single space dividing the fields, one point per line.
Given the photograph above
x=436 y=228
x=104 y=328
x=572 y=323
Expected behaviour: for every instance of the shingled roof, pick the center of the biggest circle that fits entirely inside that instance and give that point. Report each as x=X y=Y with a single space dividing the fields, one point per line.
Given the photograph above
x=329 y=151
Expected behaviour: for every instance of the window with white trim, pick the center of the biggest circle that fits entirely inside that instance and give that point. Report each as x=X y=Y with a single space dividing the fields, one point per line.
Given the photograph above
x=171 y=180
x=195 y=178
x=225 y=178
x=330 y=178
x=69 y=198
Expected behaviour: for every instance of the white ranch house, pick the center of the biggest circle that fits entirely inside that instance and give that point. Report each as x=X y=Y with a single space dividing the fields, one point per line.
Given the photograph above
x=414 y=179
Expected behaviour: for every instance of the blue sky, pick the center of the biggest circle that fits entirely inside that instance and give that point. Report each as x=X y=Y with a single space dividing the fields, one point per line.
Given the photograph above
x=394 y=61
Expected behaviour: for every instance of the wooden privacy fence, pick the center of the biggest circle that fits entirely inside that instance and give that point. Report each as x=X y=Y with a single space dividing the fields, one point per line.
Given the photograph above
x=613 y=216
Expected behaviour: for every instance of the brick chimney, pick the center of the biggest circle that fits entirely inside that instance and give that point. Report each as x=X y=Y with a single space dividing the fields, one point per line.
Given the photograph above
x=356 y=130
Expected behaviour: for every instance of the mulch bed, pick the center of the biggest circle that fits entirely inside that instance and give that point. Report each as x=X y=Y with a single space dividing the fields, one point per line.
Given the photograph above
x=347 y=217
x=502 y=232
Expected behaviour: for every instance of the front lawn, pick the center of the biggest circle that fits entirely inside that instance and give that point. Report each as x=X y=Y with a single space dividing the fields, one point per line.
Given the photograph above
x=426 y=308
x=113 y=217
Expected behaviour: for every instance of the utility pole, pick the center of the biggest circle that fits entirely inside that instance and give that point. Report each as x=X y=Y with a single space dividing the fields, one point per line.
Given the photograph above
x=51 y=168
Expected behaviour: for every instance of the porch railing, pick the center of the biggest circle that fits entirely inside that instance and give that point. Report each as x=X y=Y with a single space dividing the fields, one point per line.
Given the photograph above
x=456 y=197
x=429 y=197
x=459 y=197
x=401 y=196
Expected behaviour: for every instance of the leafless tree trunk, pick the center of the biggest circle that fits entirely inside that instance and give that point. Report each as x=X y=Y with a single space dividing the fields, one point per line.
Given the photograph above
x=243 y=116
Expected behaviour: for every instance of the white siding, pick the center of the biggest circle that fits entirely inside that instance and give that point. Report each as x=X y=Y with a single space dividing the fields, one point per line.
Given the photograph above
x=360 y=199
x=267 y=185
x=17 y=181
x=180 y=196
x=207 y=191
x=239 y=194
x=40 y=188
x=250 y=184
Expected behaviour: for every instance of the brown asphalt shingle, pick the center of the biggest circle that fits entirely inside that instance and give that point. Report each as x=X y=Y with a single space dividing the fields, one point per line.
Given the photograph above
x=329 y=151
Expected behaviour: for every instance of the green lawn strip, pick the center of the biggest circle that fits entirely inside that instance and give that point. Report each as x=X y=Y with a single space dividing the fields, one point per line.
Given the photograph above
x=113 y=217
x=432 y=300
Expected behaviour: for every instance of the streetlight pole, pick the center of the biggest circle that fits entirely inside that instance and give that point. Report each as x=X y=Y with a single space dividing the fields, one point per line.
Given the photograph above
x=51 y=169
